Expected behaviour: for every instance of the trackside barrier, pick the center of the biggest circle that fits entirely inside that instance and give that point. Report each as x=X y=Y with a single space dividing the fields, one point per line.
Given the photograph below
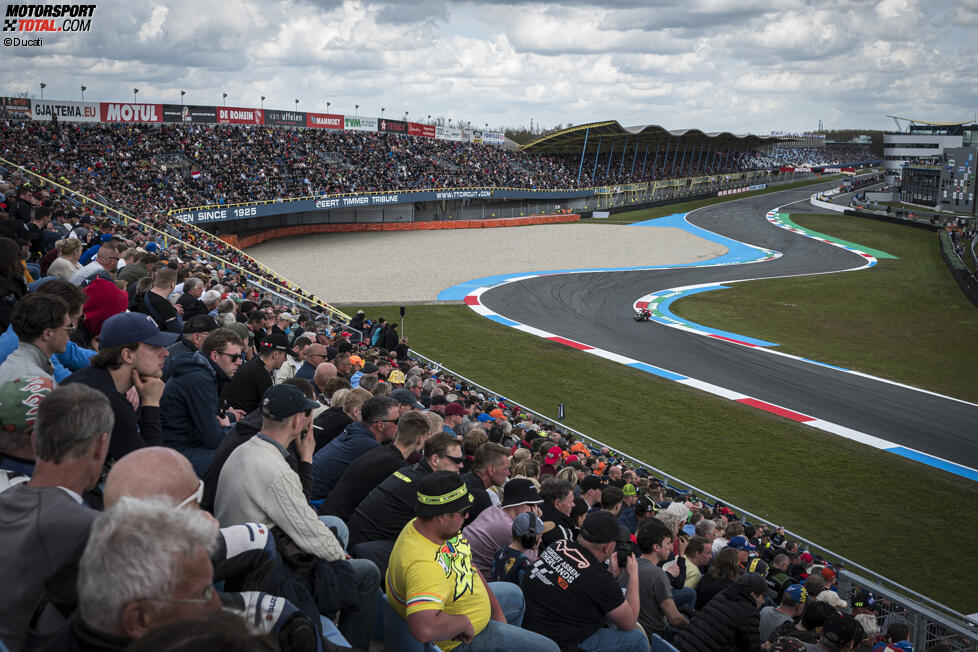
x=924 y=614
x=291 y=295
x=250 y=240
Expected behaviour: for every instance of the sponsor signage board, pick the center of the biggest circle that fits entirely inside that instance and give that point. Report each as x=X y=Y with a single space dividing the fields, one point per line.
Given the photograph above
x=324 y=121
x=285 y=118
x=236 y=116
x=418 y=129
x=130 y=112
x=393 y=126
x=188 y=113
x=65 y=111
x=356 y=123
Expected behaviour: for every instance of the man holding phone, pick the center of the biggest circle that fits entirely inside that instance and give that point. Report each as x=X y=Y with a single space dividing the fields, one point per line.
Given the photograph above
x=570 y=593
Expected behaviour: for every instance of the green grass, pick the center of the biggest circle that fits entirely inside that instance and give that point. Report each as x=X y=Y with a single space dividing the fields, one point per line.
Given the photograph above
x=872 y=507
x=628 y=217
x=858 y=320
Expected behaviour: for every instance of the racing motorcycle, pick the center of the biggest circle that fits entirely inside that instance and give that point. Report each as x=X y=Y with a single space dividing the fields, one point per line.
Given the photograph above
x=643 y=315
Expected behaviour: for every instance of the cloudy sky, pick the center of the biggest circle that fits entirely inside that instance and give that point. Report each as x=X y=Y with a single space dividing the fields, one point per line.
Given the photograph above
x=731 y=65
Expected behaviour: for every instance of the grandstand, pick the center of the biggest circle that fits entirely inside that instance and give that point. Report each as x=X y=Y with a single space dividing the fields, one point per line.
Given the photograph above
x=141 y=173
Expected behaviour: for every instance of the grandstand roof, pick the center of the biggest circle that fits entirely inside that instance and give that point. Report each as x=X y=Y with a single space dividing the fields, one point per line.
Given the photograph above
x=611 y=131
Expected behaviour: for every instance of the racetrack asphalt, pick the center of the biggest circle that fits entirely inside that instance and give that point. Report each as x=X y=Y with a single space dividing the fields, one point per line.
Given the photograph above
x=596 y=309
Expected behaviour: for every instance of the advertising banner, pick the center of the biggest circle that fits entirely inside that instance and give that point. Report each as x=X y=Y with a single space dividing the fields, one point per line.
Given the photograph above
x=66 y=111
x=418 y=129
x=187 y=113
x=355 y=123
x=126 y=112
x=235 y=116
x=448 y=133
x=476 y=137
x=493 y=137
x=285 y=118
x=394 y=126
x=324 y=121
x=15 y=108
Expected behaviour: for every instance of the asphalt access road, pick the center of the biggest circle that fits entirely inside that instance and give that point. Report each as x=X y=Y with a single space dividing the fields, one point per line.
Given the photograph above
x=596 y=309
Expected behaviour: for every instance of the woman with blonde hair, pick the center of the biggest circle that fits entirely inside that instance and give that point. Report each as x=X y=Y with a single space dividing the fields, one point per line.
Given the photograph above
x=66 y=264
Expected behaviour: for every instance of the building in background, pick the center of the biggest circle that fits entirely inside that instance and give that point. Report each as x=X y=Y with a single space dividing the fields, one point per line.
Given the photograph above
x=923 y=143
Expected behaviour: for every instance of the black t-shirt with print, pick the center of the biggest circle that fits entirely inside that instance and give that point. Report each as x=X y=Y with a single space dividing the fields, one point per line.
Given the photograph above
x=568 y=594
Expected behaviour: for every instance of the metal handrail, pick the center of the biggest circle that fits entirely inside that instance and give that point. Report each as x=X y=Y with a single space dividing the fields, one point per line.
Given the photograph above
x=701 y=493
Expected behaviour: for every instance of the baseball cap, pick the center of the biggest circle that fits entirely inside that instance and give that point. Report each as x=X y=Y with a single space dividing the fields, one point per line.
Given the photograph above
x=279 y=402
x=150 y=246
x=740 y=543
x=806 y=558
x=757 y=565
x=128 y=327
x=863 y=599
x=629 y=490
x=839 y=629
x=200 y=324
x=530 y=523
x=600 y=526
x=497 y=414
x=240 y=330
x=275 y=342
x=442 y=492
x=482 y=418
x=553 y=455
x=753 y=583
x=287 y=316
x=405 y=397
x=357 y=360
x=19 y=400
x=520 y=491
x=828 y=574
x=795 y=594
x=454 y=409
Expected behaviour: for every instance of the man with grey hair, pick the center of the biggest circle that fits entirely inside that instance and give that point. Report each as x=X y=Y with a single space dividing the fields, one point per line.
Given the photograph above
x=190 y=301
x=211 y=299
x=706 y=528
x=44 y=523
x=145 y=564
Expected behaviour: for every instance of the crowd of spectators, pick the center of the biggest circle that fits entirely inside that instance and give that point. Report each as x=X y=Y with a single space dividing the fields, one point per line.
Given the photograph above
x=343 y=481
x=807 y=157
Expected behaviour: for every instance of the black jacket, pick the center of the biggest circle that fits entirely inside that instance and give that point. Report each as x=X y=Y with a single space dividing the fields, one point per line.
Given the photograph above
x=11 y=290
x=564 y=525
x=730 y=621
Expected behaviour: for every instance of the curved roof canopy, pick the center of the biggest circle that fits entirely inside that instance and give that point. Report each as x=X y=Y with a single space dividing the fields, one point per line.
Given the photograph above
x=612 y=133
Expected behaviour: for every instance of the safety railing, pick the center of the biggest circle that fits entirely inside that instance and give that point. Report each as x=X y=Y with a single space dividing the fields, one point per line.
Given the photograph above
x=333 y=314
x=932 y=615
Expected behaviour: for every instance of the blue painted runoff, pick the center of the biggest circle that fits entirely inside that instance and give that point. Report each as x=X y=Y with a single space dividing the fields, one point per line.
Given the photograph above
x=930 y=460
x=737 y=253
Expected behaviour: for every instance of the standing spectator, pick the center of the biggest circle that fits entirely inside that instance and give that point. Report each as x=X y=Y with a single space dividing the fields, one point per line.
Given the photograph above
x=729 y=621
x=45 y=522
x=570 y=594
x=42 y=325
x=432 y=584
x=131 y=356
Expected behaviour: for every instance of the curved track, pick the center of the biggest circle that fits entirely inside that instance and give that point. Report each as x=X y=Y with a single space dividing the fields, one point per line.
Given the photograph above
x=596 y=308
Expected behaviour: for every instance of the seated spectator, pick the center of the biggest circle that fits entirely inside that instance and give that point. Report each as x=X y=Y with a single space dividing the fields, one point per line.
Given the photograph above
x=249 y=383
x=558 y=502
x=432 y=584
x=723 y=572
x=611 y=499
x=510 y=563
x=792 y=605
x=19 y=401
x=491 y=470
x=189 y=300
x=104 y=264
x=777 y=577
x=626 y=514
x=728 y=621
x=699 y=553
x=371 y=468
x=42 y=325
x=145 y=564
x=657 y=609
x=313 y=356
x=156 y=305
x=840 y=632
x=897 y=637
x=195 y=331
x=294 y=360
x=131 y=357
x=257 y=485
x=138 y=268
x=325 y=373
x=377 y=425
x=807 y=629
x=493 y=528
x=334 y=420
x=380 y=516
x=66 y=264
x=12 y=283
x=45 y=522
x=191 y=417
x=570 y=594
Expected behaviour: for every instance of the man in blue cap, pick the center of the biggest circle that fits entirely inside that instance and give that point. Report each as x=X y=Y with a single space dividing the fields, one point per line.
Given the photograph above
x=131 y=355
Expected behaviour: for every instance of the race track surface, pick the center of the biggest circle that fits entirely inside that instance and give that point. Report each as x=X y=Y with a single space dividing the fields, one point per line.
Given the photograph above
x=596 y=309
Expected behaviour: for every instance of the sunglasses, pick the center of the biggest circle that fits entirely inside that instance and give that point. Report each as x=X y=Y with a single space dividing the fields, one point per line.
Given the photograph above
x=195 y=497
